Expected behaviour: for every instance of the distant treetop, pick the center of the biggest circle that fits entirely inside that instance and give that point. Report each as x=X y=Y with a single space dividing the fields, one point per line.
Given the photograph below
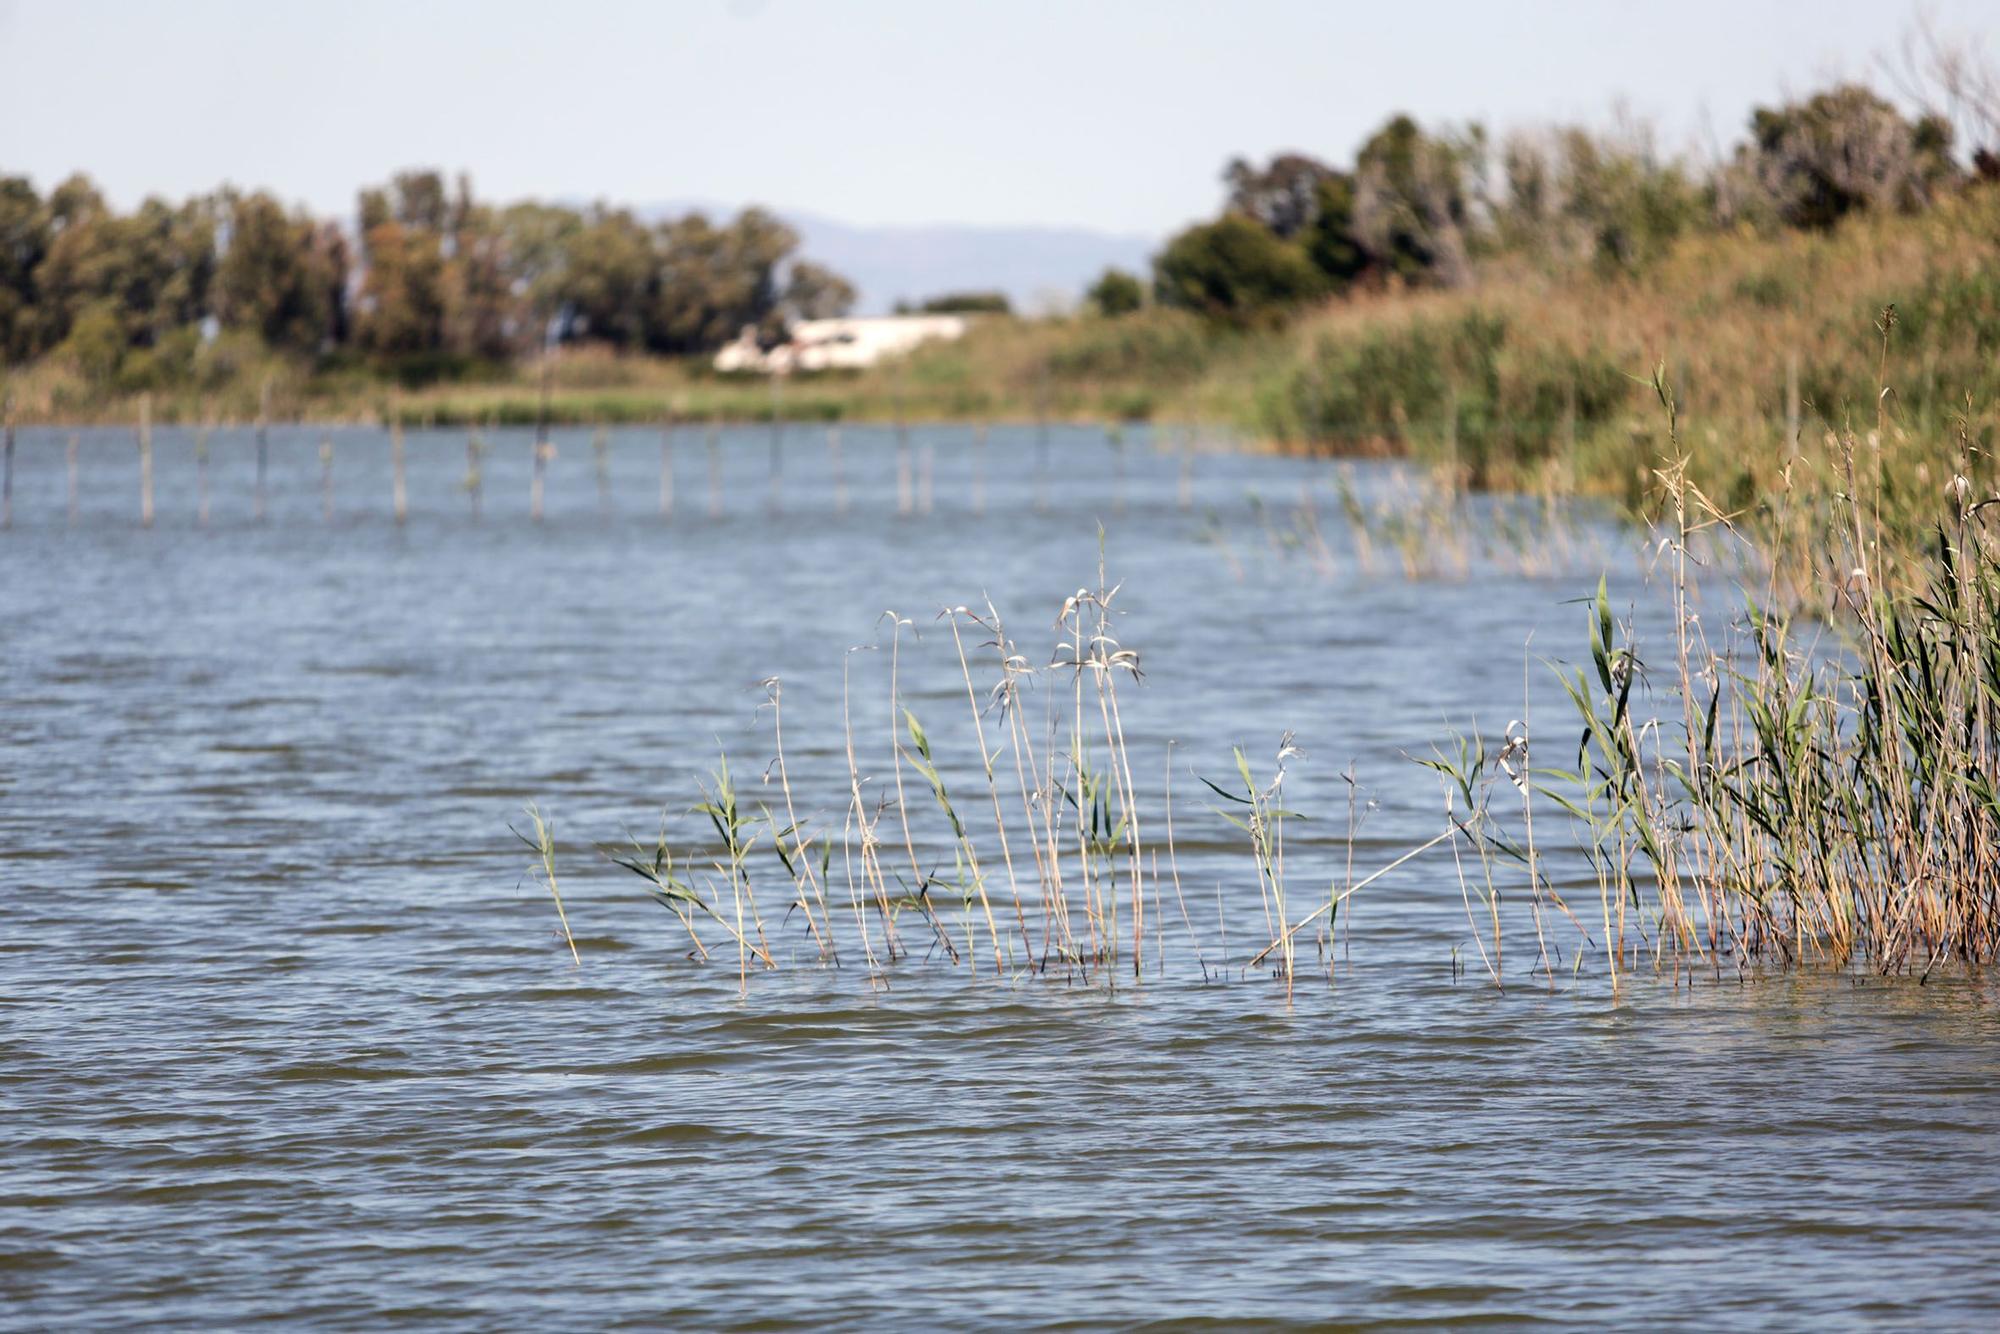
x=1421 y=207
x=959 y=303
x=429 y=280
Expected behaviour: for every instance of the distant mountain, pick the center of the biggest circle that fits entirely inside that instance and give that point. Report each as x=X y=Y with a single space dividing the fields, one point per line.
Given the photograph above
x=1034 y=266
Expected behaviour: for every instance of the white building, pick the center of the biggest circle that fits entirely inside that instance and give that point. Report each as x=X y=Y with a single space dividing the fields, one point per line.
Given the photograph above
x=843 y=344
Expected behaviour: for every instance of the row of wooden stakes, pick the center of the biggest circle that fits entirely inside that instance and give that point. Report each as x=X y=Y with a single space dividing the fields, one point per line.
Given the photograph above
x=915 y=472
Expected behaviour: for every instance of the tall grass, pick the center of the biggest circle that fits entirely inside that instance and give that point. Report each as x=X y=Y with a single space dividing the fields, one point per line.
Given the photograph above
x=1035 y=856
x=544 y=845
x=1766 y=789
x=1805 y=787
x=1805 y=773
x=1522 y=378
x=1080 y=368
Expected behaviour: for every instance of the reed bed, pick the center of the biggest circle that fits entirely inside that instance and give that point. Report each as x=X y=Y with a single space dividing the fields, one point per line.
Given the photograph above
x=1420 y=523
x=1806 y=779
x=1035 y=856
x=1801 y=775
x=1769 y=790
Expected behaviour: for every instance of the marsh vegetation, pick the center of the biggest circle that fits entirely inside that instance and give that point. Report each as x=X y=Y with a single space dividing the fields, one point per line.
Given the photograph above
x=1801 y=774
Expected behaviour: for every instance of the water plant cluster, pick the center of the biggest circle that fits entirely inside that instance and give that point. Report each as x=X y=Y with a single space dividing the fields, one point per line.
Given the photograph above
x=1802 y=776
x=1045 y=864
x=1421 y=523
x=1808 y=778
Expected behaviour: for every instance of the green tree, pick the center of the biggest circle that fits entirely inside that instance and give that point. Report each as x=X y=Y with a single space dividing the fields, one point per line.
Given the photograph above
x=373 y=208
x=482 y=306
x=755 y=244
x=1115 y=293
x=439 y=277
x=967 y=303
x=1330 y=240
x=1575 y=195
x=277 y=278
x=95 y=342
x=24 y=240
x=716 y=281
x=332 y=267
x=1235 y=270
x=418 y=199
x=1411 y=204
x=402 y=307
x=608 y=280
x=1843 y=150
x=150 y=269
x=1284 y=194
x=815 y=292
x=537 y=239
x=75 y=202
x=73 y=263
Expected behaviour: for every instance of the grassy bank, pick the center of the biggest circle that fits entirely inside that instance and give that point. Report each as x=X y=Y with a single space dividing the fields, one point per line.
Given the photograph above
x=1004 y=370
x=1763 y=340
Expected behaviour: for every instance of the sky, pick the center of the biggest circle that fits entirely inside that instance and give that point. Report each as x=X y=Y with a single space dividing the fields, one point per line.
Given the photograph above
x=1109 y=114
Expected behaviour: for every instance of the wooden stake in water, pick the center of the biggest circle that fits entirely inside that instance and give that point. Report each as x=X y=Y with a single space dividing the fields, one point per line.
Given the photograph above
x=7 y=469
x=600 y=453
x=399 y=483
x=75 y=492
x=263 y=442
x=201 y=473
x=904 y=501
x=775 y=497
x=1041 y=446
x=926 y=476
x=326 y=478
x=777 y=440
x=714 y=470
x=979 y=469
x=1114 y=435
x=542 y=446
x=474 y=477
x=146 y=460
x=667 y=467
x=1187 y=469
x=839 y=473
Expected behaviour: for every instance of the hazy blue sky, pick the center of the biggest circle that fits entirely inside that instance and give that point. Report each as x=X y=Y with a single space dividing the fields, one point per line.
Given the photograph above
x=1115 y=114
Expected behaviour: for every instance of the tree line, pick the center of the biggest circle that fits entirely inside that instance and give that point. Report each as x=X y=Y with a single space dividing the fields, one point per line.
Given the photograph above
x=1420 y=207
x=428 y=280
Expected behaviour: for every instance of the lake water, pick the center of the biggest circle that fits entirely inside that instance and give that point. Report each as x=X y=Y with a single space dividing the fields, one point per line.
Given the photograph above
x=288 y=1033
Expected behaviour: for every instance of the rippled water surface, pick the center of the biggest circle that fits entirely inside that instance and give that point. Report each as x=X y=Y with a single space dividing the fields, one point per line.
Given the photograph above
x=287 y=1033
